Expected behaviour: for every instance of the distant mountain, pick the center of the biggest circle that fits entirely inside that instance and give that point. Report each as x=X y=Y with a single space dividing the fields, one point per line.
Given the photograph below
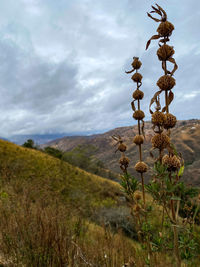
x=37 y=138
x=185 y=136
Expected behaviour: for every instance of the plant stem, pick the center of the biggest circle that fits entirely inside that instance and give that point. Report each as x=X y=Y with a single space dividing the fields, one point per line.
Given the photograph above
x=174 y=215
x=140 y=152
x=143 y=192
x=176 y=248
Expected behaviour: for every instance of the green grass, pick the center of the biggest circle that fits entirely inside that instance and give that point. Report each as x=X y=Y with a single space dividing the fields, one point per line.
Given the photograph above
x=73 y=185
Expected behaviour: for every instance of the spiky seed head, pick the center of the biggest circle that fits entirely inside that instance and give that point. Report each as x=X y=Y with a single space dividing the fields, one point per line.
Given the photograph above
x=166 y=82
x=136 y=208
x=136 y=63
x=137 y=77
x=141 y=167
x=165 y=28
x=170 y=121
x=122 y=147
x=138 y=115
x=165 y=52
x=160 y=141
x=138 y=139
x=137 y=196
x=158 y=118
x=124 y=161
x=172 y=162
x=138 y=94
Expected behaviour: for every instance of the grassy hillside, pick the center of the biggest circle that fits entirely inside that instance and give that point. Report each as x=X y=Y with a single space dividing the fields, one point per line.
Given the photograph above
x=71 y=184
x=54 y=214
x=47 y=208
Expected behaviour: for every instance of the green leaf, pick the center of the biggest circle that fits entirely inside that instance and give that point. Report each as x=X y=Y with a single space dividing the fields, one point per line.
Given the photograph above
x=180 y=173
x=175 y=198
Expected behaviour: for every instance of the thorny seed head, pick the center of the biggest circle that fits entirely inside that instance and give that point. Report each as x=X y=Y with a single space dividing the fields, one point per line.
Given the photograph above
x=172 y=162
x=138 y=94
x=124 y=161
x=122 y=147
x=165 y=52
x=165 y=29
x=136 y=63
x=158 y=118
x=138 y=115
x=160 y=141
x=138 y=139
x=170 y=121
x=166 y=82
x=137 y=77
x=141 y=167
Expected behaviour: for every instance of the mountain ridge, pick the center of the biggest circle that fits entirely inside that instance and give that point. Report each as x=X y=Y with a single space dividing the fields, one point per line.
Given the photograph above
x=185 y=136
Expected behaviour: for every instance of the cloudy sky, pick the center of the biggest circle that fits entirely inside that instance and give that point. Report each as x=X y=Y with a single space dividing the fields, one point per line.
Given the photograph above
x=62 y=63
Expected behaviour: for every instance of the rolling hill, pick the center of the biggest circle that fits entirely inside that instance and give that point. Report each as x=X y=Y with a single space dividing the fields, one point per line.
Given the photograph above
x=185 y=136
x=52 y=212
x=71 y=184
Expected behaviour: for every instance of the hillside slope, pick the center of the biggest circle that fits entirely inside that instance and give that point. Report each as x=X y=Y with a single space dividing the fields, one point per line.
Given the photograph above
x=49 y=212
x=46 y=210
x=185 y=136
x=72 y=185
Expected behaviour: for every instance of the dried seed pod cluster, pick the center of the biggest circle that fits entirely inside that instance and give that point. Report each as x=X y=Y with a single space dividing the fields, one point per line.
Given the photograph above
x=138 y=139
x=165 y=52
x=173 y=163
x=141 y=167
x=162 y=119
x=158 y=118
x=138 y=115
x=166 y=82
x=160 y=141
x=124 y=161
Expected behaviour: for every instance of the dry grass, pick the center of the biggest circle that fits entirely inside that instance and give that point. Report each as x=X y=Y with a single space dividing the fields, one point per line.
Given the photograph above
x=45 y=210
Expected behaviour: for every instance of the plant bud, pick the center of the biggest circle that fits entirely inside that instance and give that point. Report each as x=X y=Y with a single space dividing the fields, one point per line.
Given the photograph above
x=138 y=115
x=137 y=77
x=138 y=139
x=165 y=28
x=136 y=63
x=122 y=147
x=172 y=162
x=166 y=82
x=170 y=121
x=165 y=52
x=124 y=161
x=158 y=118
x=138 y=95
x=141 y=167
x=160 y=141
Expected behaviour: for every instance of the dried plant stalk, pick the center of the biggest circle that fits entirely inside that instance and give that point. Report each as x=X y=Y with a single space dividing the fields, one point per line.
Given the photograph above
x=162 y=120
x=138 y=115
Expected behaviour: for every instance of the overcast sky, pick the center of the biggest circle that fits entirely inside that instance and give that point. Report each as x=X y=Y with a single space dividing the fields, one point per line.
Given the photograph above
x=62 y=63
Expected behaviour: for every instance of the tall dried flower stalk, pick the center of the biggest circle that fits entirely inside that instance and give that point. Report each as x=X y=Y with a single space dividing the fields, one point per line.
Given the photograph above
x=124 y=163
x=162 y=120
x=138 y=115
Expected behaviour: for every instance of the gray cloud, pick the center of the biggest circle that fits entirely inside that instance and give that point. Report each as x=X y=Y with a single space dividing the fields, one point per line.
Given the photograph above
x=62 y=63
